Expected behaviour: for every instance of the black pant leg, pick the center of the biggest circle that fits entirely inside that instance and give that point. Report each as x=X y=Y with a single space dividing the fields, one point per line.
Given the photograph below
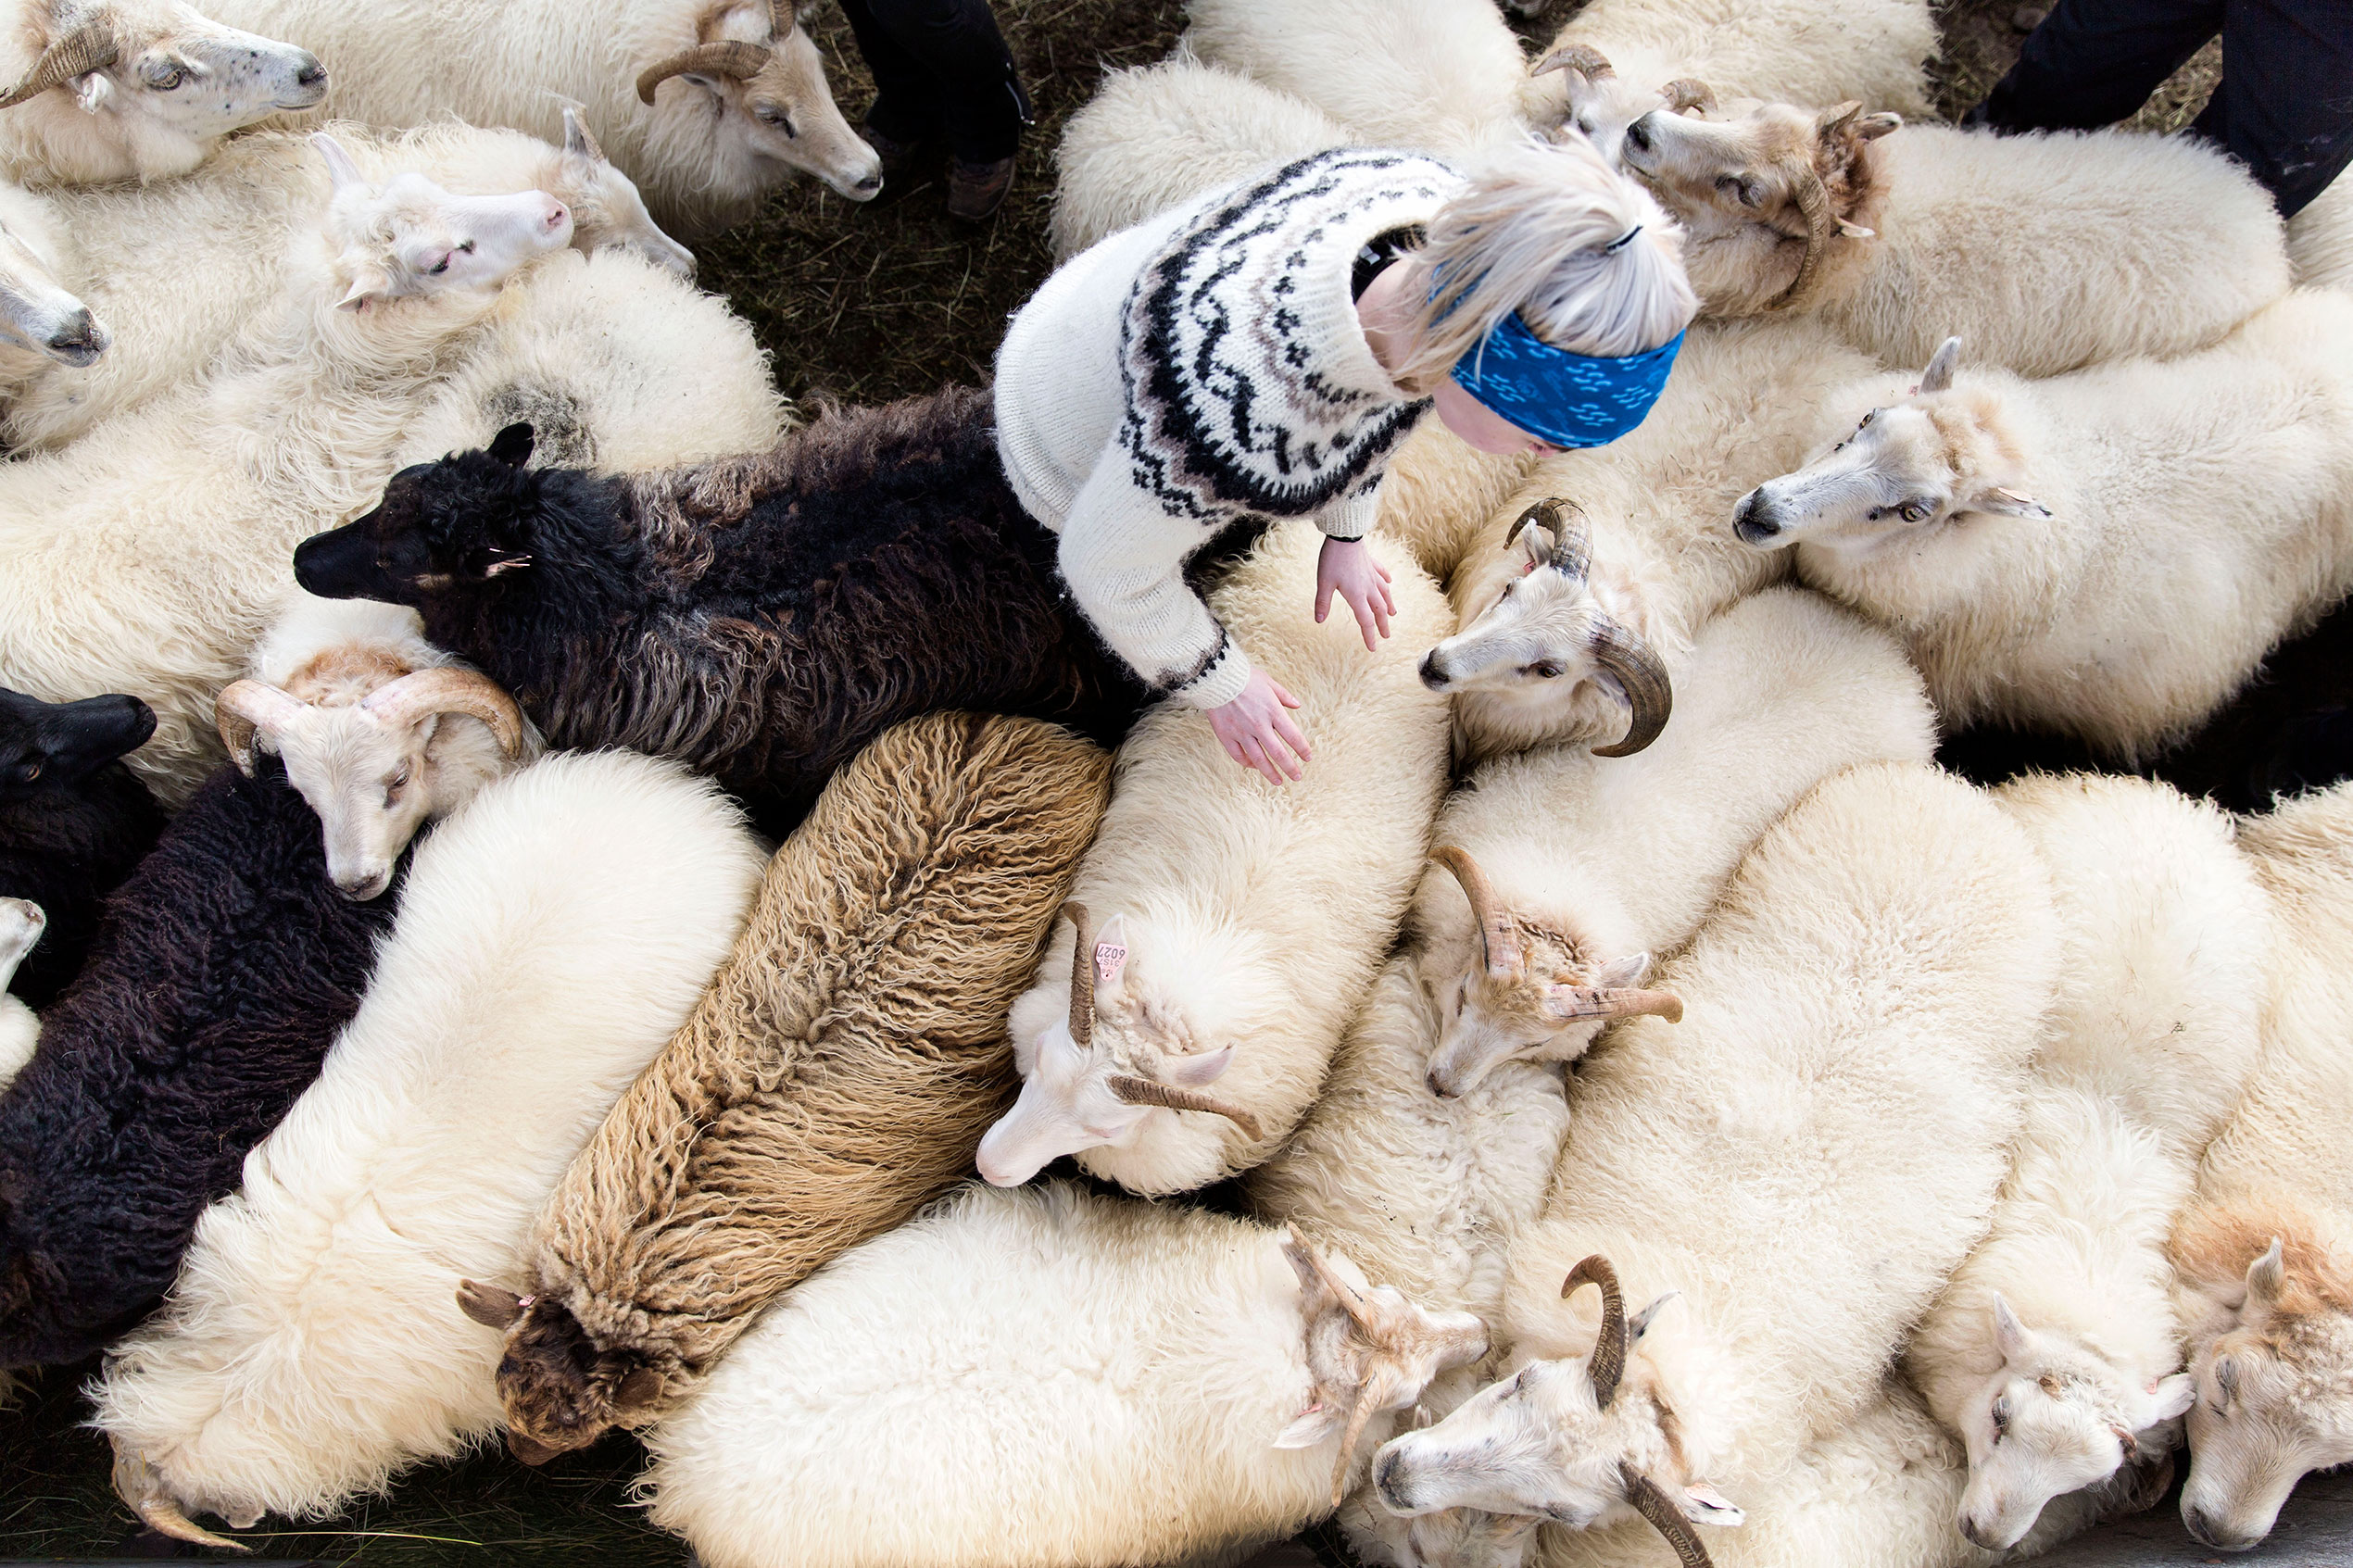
x=906 y=107
x=2285 y=107
x=2094 y=62
x=968 y=86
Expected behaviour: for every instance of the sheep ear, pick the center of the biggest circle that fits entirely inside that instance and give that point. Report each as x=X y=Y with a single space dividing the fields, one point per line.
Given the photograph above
x=340 y=169
x=2172 y=1397
x=2266 y=1276
x=1110 y=956
x=1871 y=127
x=488 y=1305
x=369 y=285
x=91 y=88
x=1622 y=972
x=2008 y=503
x=1704 y=1505
x=1311 y=1426
x=1856 y=231
x=1196 y=1072
x=1640 y=1324
x=1938 y=376
x=512 y=445
x=2009 y=1335
x=640 y=1389
x=578 y=142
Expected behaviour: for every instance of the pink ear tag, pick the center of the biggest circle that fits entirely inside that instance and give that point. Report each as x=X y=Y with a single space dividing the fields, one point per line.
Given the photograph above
x=1110 y=958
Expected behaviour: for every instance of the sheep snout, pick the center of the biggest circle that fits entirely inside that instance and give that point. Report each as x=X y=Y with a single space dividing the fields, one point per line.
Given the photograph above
x=1432 y=676
x=1753 y=521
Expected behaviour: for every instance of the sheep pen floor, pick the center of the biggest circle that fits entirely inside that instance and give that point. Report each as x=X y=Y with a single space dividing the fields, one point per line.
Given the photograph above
x=861 y=305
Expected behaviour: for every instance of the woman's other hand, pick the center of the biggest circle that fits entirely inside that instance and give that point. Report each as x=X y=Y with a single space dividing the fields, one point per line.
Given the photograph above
x=1249 y=726
x=1347 y=568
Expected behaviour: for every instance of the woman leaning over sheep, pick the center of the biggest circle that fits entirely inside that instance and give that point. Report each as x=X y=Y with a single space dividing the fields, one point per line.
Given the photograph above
x=1260 y=351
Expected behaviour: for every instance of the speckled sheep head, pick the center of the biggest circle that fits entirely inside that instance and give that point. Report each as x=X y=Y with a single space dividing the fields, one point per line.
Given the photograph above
x=1099 y=1077
x=1529 y=994
x=560 y=1389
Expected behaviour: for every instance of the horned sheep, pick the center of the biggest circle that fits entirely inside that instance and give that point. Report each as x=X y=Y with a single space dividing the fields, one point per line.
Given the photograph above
x=759 y=617
x=106 y=90
x=174 y=528
x=2055 y=1352
x=2045 y=253
x=227 y=961
x=835 y=1078
x=552 y=936
x=178 y=269
x=2108 y=554
x=2264 y=1253
x=73 y=822
x=1232 y=926
x=1568 y=617
x=711 y=104
x=1801 y=1159
x=1129 y=1370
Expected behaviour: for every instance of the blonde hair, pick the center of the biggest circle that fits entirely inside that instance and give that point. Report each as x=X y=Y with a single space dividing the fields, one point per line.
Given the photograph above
x=1532 y=233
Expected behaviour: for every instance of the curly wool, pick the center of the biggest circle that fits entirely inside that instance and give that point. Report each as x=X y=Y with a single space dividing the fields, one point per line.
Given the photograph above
x=837 y=1076
x=760 y=616
x=226 y=964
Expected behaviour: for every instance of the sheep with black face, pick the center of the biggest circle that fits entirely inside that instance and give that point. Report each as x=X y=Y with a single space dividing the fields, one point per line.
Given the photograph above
x=73 y=822
x=759 y=618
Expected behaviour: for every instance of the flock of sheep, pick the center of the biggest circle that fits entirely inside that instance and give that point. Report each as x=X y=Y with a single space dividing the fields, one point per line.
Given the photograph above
x=388 y=509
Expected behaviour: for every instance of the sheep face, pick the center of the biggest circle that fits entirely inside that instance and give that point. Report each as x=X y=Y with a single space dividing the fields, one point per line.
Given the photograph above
x=756 y=82
x=443 y=539
x=49 y=746
x=1907 y=469
x=1524 y=992
x=562 y=1392
x=21 y=923
x=2274 y=1395
x=2055 y=1418
x=37 y=316
x=1601 y=104
x=1096 y=1079
x=607 y=208
x=1767 y=199
x=1545 y=658
x=1369 y=1350
x=409 y=237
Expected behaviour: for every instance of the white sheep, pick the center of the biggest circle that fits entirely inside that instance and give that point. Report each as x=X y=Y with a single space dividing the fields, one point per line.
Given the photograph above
x=178 y=269
x=1151 y=137
x=2055 y=1352
x=1803 y=1159
x=1439 y=75
x=2108 y=554
x=379 y=730
x=1540 y=611
x=1570 y=871
x=2265 y=1251
x=2044 y=253
x=175 y=526
x=711 y=104
x=552 y=935
x=1138 y=1383
x=43 y=324
x=135 y=89
x=1235 y=926
x=21 y=923
x=2319 y=238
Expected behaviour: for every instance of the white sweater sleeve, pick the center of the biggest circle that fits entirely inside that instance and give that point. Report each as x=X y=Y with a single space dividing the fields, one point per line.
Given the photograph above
x=1124 y=558
x=1350 y=519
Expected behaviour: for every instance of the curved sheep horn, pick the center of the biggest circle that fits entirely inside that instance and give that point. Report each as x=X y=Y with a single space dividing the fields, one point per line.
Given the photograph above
x=1145 y=1091
x=1689 y=93
x=89 y=48
x=488 y=1305
x=1564 y=521
x=1498 y=932
x=1814 y=202
x=1571 y=1003
x=1643 y=677
x=1608 y=1361
x=245 y=707
x=1082 y=975
x=731 y=58
x=138 y=1487
x=1650 y=1500
x=429 y=691
x=1583 y=58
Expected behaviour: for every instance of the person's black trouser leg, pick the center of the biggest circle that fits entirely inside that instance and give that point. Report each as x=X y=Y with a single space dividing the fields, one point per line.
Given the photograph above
x=2285 y=107
x=940 y=65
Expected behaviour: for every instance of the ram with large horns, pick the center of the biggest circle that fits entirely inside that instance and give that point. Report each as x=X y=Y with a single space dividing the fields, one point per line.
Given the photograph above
x=93 y=91
x=709 y=105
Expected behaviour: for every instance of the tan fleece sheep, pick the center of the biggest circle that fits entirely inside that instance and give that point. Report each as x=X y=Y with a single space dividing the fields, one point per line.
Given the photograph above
x=835 y=1077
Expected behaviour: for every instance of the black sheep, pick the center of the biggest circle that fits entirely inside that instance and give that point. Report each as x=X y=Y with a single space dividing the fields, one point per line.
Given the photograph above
x=761 y=617
x=73 y=822
x=222 y=970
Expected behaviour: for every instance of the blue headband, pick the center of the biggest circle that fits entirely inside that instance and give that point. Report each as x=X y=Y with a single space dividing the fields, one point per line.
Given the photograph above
x=1568 y=400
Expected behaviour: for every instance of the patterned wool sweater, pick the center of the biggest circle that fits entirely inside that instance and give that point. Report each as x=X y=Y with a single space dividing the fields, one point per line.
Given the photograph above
x=1200 y=369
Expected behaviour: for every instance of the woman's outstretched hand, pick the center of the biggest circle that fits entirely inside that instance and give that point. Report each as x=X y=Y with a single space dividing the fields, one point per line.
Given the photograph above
x=1249 y=726
x=1348 y=569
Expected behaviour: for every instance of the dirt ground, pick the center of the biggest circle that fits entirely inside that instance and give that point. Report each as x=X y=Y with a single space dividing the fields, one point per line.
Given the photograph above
x=858 y=304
